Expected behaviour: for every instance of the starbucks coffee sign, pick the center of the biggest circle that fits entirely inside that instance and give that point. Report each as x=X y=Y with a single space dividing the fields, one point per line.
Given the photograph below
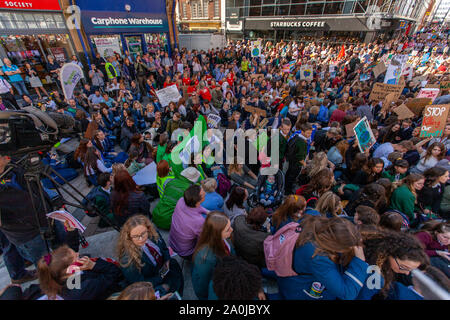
x=297 y=24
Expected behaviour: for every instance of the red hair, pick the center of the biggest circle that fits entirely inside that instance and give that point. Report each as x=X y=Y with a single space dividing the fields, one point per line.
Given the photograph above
x=123 y=186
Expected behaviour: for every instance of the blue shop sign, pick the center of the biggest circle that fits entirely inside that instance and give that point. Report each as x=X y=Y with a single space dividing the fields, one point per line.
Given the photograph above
x=106 y=16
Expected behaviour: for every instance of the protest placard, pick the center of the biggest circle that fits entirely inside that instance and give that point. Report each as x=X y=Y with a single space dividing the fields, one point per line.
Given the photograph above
x=431 y=93
x=387 y=102
x=306 y=72
x=349 y=129
x=63 y=215
x=168 y=94
x=213 y=121
x=434 y=120
x=251 y=109
x=364 y=135
x=433 y=85
x=380 y=68
x=403 y=112
x=380 y=90
x=418 y=104
x=146 y=175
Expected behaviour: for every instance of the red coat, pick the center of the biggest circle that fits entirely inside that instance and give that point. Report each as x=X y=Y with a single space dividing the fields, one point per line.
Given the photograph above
x=205 y=94
x=186 y=81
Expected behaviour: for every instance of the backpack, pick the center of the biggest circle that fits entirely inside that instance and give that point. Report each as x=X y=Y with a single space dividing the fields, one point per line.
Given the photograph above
x=223 y=185
x=291 y=148
x=301 y=190
x=279 y=249
x=91 y=197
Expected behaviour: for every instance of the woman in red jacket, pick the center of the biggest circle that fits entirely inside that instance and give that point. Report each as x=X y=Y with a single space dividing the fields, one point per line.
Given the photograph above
x=435 y=236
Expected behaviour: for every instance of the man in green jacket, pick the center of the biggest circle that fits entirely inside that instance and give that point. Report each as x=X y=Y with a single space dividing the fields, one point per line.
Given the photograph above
x=162 y=214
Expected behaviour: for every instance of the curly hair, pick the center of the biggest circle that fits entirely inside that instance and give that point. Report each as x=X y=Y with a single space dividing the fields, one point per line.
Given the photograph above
x=236 y=279
x=126 y=249
x=379 y=246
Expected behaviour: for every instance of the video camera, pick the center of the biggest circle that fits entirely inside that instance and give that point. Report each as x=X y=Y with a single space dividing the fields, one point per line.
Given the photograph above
x=31 y=130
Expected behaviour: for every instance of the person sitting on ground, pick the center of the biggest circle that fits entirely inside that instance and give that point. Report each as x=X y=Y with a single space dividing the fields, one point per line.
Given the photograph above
x=142 y=290
x=144 y=256
x=132 y=163
x=366 y=216
x=213 y=200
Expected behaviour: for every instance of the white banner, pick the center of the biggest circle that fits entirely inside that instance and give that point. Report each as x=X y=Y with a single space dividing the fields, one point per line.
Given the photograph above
x=168 y=94
x=107 y=46
x=69 y=75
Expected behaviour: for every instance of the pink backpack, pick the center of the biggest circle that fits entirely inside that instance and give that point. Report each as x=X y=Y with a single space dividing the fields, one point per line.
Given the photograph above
x=279 y=249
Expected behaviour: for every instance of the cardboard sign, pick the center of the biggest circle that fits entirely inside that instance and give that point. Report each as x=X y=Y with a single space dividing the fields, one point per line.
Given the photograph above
x=168 y=94
x=349 y=129
x=431 y=93
x=379 y=69
x=445 y=85
x=380 y=90
x=418 y=104
x=364 y=135
x=434 y=120
x=251 y=109
x=387 y=103
x=403 y=112
x=433 y=85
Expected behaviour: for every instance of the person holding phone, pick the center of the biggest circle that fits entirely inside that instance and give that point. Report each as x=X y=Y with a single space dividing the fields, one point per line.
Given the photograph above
x=144 y=256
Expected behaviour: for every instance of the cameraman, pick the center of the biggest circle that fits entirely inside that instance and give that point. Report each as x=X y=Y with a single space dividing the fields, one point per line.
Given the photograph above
x=18 y=221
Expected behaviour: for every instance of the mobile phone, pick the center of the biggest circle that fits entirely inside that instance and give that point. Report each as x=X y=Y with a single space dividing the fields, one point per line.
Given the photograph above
x=175 y=296
x=163 y=271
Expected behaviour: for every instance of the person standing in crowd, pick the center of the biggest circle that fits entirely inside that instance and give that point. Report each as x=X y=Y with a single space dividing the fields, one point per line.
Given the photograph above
x=7 y=94
x=13 y=72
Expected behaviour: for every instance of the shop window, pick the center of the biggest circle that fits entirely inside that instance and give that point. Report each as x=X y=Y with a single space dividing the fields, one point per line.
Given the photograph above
x=59 y=21
x=282 y=10
x=19 y=20
x=268 y=10
x=314 y=9
x=255 y=11
x=50 y=21
x=8 y=21
x=333 y=7
x=40 y=20
x=29 y=19
x=239 y=3
x=298 y=9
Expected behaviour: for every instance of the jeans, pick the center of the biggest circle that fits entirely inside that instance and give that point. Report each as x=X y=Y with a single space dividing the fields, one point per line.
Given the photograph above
x=21 y=88
x=33 y=250
x=13 y=260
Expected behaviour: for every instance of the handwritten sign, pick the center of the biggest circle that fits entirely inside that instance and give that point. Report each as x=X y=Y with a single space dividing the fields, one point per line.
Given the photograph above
x=364 y=135
x=387 y=103
x=431 y=93
x=213 y=121
x=433 y=85
x=306 y=73
x=259 y=111
x=403 y=112
x=380 y=90
x=168 y=94
x=434 y=120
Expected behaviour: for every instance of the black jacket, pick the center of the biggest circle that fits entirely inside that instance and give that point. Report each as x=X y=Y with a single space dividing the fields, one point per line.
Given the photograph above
x=430 y=198
x=137 y=204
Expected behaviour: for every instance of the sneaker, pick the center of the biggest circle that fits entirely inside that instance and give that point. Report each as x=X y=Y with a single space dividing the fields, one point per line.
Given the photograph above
x=30 y=276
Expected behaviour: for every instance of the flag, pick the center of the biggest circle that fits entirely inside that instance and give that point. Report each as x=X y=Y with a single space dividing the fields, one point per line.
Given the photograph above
x=292 y=65
x=70 y=74
x=191 y=144
x=286 y=68
x=341 y=53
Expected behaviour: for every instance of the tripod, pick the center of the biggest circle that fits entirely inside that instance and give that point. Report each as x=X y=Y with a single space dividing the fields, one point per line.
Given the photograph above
x=35 y=170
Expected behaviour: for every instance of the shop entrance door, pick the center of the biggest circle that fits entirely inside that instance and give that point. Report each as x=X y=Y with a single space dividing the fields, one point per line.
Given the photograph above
x=134 y=44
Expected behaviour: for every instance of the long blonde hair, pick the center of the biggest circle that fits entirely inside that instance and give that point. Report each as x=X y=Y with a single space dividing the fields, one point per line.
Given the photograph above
x=319 y=162
x=329 y=202
x=126 y=247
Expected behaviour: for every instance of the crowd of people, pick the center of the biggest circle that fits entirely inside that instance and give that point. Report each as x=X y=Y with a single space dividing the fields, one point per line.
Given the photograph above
x=342 y=210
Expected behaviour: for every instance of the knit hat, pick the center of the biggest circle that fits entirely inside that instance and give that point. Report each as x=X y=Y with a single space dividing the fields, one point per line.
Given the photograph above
x=191 y=174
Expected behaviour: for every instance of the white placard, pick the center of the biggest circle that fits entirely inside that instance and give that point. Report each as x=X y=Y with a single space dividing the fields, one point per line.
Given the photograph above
x=107 y=46
x=168 y=94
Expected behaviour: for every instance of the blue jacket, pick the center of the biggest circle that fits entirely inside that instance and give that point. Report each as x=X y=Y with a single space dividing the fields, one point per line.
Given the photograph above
x=323 y=114
x=335 y=281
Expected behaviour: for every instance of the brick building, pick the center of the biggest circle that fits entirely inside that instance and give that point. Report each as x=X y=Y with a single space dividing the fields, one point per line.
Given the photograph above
x=200 y=15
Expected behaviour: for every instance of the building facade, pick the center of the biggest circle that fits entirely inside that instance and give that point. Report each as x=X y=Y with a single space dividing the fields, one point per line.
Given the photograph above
x=291 y=19
x=200 y=15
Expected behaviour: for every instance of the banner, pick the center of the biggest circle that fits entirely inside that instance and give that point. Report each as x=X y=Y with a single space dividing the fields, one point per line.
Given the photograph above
x=59 y=54
x=251 y=109
x=380 y=90
x=107 y=46
x=434 y=120
x=407 y=71
x=431 y=93
x=364 y=135
x=306 y=73
x=69 y=75
x=63 y=215
x=146 y=175
x=168 y=94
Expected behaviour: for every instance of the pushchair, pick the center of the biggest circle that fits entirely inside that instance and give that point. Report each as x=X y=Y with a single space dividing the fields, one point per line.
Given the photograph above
x=254 y=198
